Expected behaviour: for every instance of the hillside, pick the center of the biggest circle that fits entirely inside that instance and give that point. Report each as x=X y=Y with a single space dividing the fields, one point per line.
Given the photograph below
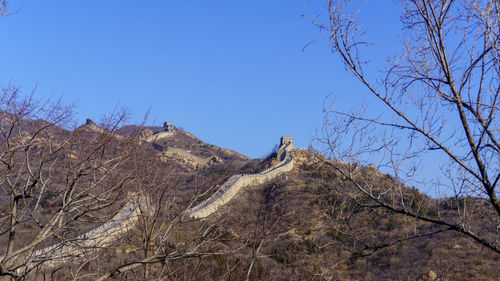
x=90 y=203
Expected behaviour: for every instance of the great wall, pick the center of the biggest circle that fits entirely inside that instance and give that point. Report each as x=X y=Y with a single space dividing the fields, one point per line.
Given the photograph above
x=186 y=154
x=127 y=217
x=168 y=131
x=235 y=183
x=103 y=236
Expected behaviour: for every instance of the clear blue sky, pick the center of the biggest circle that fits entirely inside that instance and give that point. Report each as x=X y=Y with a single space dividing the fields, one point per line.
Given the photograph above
x=231 y=72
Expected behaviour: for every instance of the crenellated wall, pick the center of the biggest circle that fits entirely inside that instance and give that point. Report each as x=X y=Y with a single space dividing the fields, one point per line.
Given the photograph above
x=94 y=127
x=102 y=236
x=235 y=183
x=286 y=143
x=168 y=131
x=126 y=218
x=159 y=135
x=186 y=154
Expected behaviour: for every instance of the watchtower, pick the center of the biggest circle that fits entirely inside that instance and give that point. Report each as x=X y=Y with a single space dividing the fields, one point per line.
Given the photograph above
x=90 y=122
x=286 y=144
x=287 y=139
x=168 y=127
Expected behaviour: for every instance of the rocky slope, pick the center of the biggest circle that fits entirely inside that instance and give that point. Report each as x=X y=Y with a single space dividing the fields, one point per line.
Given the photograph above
x=308 y=223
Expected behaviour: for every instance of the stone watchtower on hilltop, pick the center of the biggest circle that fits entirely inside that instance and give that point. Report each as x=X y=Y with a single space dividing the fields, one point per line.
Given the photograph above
x=90 y=122
x=285 y=140
x=286 y=143
x=168 y=127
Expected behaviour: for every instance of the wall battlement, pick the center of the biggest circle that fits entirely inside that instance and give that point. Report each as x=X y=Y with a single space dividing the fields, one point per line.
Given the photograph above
x=235 y=183
x=128 y=215
x=168 y=127
x=285 y=143
x=285 y=140
x=96 y=128
x=100 y=237
x=168 y=131
x=171 y=151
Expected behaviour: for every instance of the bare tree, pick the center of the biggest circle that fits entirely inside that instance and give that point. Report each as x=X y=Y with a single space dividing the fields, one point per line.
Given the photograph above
x=55 y=183
x=166 y=236
x=6 y=9
x=3 y=8
x=71 y=200
x=268 y=216
x=440 y=96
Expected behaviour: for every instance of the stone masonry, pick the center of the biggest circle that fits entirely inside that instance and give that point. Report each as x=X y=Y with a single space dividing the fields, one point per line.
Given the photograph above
x=286 y=142
x=128 y=216
x=168 y=130
x=232 y=186
x=168 y=127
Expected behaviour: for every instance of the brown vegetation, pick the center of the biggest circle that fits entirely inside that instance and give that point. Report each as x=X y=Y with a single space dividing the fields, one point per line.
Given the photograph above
x=309 y=224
